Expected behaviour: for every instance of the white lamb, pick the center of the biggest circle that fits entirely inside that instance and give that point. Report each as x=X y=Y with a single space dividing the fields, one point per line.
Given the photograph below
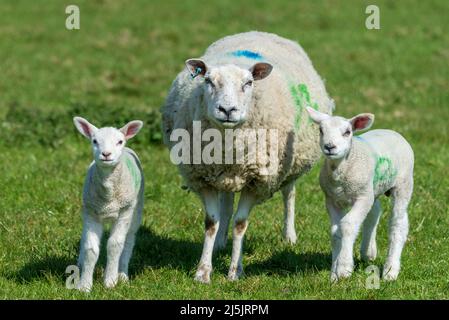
x=113 y=192
x=357 y=170
x=247 y=81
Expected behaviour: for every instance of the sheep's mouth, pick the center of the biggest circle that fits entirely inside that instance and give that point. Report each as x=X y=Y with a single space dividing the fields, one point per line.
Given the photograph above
x=228 y=122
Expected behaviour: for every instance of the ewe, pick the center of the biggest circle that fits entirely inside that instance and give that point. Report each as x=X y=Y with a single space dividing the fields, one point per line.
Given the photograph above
x=113 y=192
x=356 y=172
x=248 y=81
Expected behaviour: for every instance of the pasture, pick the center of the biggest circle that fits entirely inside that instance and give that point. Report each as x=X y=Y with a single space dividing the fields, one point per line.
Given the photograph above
x=119 y=67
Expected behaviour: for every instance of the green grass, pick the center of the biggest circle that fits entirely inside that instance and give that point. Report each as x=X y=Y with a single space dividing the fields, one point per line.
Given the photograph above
x=120 y=65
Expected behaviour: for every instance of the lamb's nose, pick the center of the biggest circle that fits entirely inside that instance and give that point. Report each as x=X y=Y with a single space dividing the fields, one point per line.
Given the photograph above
x=106 y=154
x=329 y=146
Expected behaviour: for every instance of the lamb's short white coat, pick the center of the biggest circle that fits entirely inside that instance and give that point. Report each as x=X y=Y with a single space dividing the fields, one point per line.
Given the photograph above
x=357 y=170
x=113 y=192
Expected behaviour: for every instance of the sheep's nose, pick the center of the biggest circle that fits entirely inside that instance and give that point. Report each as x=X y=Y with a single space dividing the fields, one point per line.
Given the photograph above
x=329 y=146
x=228 y=111
x=106 y=154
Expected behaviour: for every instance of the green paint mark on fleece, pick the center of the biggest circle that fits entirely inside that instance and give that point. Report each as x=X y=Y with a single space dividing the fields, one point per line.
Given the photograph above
x=135 y=174
x=384 y=171
x=301 y=98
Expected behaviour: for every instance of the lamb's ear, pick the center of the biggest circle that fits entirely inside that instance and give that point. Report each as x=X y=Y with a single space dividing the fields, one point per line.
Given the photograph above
x=362 y=121
x=131 y=128
x=196 y=67
x=261 y=70
x=84 y=127
x=316 y=116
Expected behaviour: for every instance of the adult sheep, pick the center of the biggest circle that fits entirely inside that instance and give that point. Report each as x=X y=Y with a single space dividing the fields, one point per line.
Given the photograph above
x=246 y=81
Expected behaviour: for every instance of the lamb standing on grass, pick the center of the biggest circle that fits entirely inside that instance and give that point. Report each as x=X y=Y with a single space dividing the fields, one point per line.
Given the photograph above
x=251 y=80
x=113 y=192
x=356 y=172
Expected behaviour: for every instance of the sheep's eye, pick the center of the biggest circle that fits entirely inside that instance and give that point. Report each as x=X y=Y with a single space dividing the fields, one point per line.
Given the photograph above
x=321 y=131
x=120 y=142
x=95 y=141
x=209 y=82
x=347 y=133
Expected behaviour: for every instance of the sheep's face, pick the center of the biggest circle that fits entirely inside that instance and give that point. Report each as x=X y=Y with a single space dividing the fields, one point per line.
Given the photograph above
x=228 y=90
x=336 y=132
x=107 y=143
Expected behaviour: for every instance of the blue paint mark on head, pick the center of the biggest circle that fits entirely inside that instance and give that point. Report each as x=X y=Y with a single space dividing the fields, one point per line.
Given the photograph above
x=247 y=54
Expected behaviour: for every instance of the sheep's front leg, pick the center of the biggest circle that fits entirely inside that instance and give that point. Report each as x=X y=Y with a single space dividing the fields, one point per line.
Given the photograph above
x=115 y=247
x=89 y=251
x=348 y=229
x=211 y=203
x=288 y=194
x=246 y=203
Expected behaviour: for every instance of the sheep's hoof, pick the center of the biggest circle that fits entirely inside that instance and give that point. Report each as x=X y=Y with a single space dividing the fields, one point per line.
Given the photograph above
x=203 y=274
x=341 y=272
x=369 y=254
x=235 y=273
x=390 y=273
x=110 y=282
x=290 y=237
x=123 y=277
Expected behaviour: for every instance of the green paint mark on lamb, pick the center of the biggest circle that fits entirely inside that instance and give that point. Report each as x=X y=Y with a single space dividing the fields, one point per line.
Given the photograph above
x=301 y=98
x=135 y=174
x=384 y=171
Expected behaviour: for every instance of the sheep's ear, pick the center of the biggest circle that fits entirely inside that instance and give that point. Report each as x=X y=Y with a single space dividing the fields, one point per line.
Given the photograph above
x=196 y=67
x=261 y=70
x=84 y=127
x=316 y=116
x=131 y=128
x=362 y=121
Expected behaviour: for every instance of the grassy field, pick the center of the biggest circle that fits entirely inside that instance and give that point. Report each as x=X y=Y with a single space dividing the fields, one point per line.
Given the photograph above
x=119 y=66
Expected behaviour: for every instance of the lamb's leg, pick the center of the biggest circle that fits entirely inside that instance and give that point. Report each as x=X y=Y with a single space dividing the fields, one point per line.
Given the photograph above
x=335 y=215
x=115 y=245
x=348 y=229
x=288 y=194
x=226 y=211
x=398 y=232
x=89 y=251
x=129 y=245
x=211 y=204
x=368 y=249
x=246 y=203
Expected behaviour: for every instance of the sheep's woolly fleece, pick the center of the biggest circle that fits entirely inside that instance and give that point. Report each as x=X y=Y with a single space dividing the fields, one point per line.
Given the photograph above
x=279 y=102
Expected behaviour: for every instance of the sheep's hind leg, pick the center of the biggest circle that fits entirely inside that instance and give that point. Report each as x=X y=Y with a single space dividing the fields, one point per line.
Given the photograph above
x=212 y=223
x=246 y=203
x=226 y=211
x=129 y=246
x=398 y=232
x=89 y=251
x=368 y=249
x=288 y=194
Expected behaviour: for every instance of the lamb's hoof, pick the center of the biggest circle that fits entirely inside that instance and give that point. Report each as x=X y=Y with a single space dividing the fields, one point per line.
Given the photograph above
x=290 y=238
x=341 y=272
x=235 y=273
x=369 y=255
x=123 y=277
x=84 y=287
x=203 y=274
x=110 y=282
x=390 y=273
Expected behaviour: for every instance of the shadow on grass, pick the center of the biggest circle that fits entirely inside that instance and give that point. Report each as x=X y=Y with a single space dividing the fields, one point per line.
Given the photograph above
x=151 y=251
x=288 y=262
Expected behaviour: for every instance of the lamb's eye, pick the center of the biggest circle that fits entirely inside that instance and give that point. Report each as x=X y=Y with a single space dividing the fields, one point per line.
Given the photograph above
x=209 y=82
x=347 y=133
x=95 y=141
x=120 y=142
x=321 y=131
